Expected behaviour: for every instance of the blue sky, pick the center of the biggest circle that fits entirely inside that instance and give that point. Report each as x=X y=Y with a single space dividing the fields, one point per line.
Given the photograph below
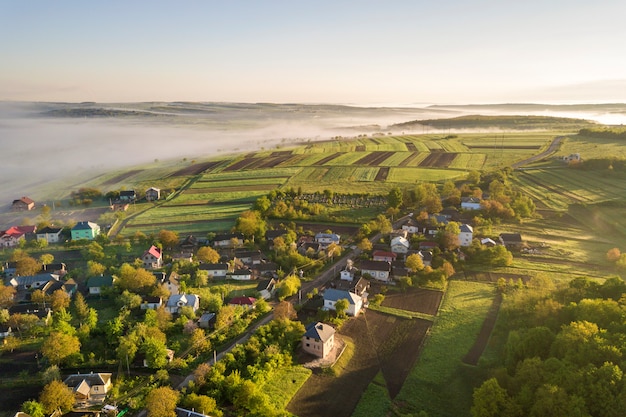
x=358 y=52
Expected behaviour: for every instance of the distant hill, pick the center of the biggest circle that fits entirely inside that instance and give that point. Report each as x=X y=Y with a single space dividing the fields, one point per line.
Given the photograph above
x=498 y=122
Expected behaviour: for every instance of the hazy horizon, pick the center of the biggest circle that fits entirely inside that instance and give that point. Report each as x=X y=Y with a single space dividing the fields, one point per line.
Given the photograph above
x=354 y=52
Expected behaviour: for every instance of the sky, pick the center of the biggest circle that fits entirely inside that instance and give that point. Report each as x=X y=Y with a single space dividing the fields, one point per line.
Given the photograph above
x=351 y=52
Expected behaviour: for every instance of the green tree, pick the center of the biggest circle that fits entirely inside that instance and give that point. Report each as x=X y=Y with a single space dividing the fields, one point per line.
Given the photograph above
x=156 y=352
x=59 y=346
x=251 y=223
x=27 y=266
x=490 y=400
x=414 y=262
x=46 y=258
x=341 y=307
x=59 y=300
x=394 y=198
x=288 y=287
x=365 y=245
x=7 y=294
x=168 y=238
x=208 y=254
x=33 y=408
x=95 y=268
x=202 y=403
x=56 y=396
x=161 y=402
x=135 y=280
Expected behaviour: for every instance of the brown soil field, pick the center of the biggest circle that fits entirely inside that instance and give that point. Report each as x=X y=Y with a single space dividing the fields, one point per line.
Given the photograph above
x=410 y=147
x=195 y=169
x=438 y=160
x=480 y=344
x=121 y=177
x=271 y=162
x=328 y=158
x=382 y=343
x=359 y=148
x=374 y=158
x=382 y=174
x=409 y=158
x=281 y=154
x=243 y=164
x=341 y=230
x=418 y=300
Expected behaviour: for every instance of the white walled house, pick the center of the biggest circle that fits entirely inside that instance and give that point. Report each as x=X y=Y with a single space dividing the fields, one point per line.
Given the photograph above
x=466 y=235
x=379 y=270
x=319 y=339
x=355 y=302
x=399 y=244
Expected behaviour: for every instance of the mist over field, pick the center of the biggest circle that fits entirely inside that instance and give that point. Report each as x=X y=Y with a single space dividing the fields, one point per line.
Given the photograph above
x=45 y=142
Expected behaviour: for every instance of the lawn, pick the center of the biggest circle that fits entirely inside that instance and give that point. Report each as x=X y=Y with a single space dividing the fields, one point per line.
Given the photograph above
x=438 y=383
x=284 y=384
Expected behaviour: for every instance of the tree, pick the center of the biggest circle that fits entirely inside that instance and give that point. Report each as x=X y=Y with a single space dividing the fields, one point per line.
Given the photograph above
x=284 y=310
x=414 y=262
x=490 y=400
x=208 y=254
x=27 y=266
x=161 y=402
x=59 y=346
x=251 y=223
x=168 y=238
x=613 y=254
x=201 y=403
x=80 y=306
x=129 y=300
x=365 y=245
x=199 y=342
x=95 y=269
x=135 y=280
x=33 y=408
x=394 y=198
x=156 y=352
x=341 y=306
x=7 y=292
x=57 y=396
x=59 y=300
x=288 y=287
x=46 y=258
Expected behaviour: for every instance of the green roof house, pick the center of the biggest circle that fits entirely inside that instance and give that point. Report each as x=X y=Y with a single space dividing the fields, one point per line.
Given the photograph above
x=97 y=284
x=85 y=230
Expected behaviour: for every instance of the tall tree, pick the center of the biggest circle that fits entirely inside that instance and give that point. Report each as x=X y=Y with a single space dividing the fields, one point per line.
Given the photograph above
x=27 y=266
x=7 y=293
x=57 y=396
x=161 y=402
x=59 y=346
x=251 y=223
x=341 y=306
x=168 y=238
x=414 y=262
x=208 y=254
x=394 y=198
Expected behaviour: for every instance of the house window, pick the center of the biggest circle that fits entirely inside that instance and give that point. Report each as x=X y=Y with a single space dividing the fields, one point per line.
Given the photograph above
x=308 y=345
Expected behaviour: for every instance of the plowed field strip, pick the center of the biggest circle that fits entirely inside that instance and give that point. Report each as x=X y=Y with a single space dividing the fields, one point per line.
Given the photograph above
x=409 y=158
x=329 y=158
x=438 y=160
x=195 y=169
x=382 y=174
x=360 y=148
x=374 y=158
x=521 y=147
x=252 y=187
x=237 y=166
x=410 y=147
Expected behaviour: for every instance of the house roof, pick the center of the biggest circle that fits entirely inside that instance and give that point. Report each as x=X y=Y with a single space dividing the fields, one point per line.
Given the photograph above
x=213 y=267
x=186 y=299
x=100 y=281
x=264 y=284
x=470 y=200
x=31 y=279
x=183 y=412
x=488 y=241
x=332 y=236
x=154 y=251
x=242 y=271
x=48 y=230
x=399 y=240
x=242 y=301
x=273 y=234
x=20 y=230
x=206 y=317
x=227 y=236
x=153 y=189
x=319 y=331
x=127 y=193
x=85 y=226
x=375 y=265
x=385 y=254
x=152 y=299
x=466 y=228
x=25 y=200
x=332 y=294
x=29 y=309
x=74 y=381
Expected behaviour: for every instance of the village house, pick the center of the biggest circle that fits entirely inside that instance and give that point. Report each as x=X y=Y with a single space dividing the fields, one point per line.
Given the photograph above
x=89 y=388
x=96 y=285
x=12 y=237
x=245 y=302
x=358 y=287
x=227 y=240
x=177 y=301
x=332 y=295
x=85 y=230
x=266 y=288
x=381 y=255
x=249 y=257
x=151 y=302
x=309 y=248
x=44 y=314
x=215 y=270
x=119 y=205
x=265 y=270
x=325 y=239
x=411 y=226
x=399 y=245
x=487 y=241
x=243 y=274
x=318 y=339
x=58 y=268
x=270 y=235
x=207 y=320
x=128 y=196
x=379 y=270
x=172 y=283
x=348 y=273
x=69 y=287
x=153 y=194
x=5 y=331
x=428 y=245
x=470 y=203
x=152 y=258
x=466 y=235
x=50 y=234
x=23 y=204
x=511 y=240
x=32 y=282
